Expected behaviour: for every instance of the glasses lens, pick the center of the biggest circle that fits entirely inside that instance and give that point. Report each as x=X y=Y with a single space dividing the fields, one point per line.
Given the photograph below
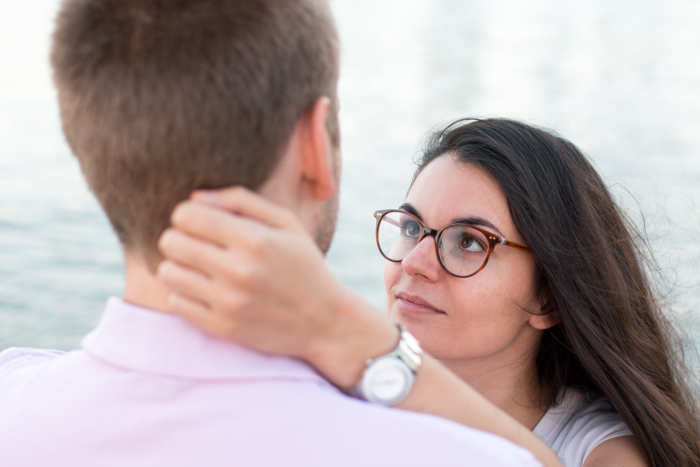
x=398 y=235
x=463 y=250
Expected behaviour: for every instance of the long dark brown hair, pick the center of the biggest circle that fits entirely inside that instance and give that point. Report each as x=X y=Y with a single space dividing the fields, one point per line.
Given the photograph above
x=612 y=337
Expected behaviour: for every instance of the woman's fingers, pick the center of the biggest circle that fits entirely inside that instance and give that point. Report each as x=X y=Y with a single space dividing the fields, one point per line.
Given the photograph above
x=210 y=260
x=195 y=254
x=199 y=300
x=244 y=202
x=186 y=282
x=196 y=313
x=215 y=225
x=211 y=265
x=242 y=277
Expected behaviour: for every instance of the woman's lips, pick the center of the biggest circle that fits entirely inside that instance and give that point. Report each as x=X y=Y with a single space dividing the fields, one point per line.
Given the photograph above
x=415 y=305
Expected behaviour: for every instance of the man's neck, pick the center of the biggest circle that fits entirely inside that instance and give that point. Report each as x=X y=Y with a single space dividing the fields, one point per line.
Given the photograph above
x=141 y=287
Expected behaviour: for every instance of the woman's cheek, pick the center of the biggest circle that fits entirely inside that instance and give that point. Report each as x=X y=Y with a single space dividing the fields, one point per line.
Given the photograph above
x=392 y=272
x=485 y=321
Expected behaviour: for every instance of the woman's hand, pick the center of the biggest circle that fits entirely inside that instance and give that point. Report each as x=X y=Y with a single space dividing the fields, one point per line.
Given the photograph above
x=245 y=269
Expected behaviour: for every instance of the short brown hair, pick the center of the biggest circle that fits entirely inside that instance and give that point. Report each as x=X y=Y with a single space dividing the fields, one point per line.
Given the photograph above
x=161 y=97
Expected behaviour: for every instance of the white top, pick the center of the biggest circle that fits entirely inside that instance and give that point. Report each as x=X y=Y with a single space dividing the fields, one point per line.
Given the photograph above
x=149 y=390
x=579 y=424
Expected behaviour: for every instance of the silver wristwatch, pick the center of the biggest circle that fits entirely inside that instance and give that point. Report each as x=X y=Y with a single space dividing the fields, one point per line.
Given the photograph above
x=388 y=379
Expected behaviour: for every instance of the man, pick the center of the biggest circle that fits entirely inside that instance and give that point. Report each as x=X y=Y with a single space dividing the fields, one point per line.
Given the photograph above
x=158 y=98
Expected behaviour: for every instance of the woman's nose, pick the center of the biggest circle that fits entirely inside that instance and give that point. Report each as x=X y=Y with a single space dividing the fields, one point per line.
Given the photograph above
x=423 y=260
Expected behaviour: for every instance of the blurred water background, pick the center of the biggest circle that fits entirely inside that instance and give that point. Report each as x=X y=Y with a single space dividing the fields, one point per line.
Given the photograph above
x=620 y=79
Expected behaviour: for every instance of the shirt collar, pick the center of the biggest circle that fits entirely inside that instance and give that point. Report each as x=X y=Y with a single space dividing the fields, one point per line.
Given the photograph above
x=150 y=341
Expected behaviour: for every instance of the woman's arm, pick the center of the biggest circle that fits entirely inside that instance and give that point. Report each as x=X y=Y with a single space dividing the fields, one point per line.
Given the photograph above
x=617 y=452
x=239 y=279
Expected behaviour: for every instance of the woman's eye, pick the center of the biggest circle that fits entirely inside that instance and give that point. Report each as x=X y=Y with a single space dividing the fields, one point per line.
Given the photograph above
x=471 y=244
x=411 y=229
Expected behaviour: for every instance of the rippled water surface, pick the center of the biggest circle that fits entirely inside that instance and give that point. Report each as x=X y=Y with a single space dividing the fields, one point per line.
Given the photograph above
x=621 y=79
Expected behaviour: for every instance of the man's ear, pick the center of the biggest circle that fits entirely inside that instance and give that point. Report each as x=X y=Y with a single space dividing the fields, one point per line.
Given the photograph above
x=317 y=150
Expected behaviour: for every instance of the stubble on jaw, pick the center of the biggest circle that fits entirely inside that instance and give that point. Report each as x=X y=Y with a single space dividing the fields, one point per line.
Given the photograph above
x=326 y=225
x=328 y=215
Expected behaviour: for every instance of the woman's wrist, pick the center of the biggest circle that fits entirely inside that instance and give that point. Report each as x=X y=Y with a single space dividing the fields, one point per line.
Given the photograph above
x=360 y=332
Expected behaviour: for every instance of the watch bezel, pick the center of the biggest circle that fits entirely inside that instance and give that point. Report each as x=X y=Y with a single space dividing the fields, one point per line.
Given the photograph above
x=408 y=356
x=374 y=372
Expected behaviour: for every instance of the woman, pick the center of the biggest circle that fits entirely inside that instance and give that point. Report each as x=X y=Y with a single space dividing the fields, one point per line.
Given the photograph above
x=545 y=308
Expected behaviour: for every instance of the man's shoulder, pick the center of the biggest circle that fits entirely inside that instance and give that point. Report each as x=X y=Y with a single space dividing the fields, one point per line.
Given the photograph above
x=305 y=421
x=21 y=357
x=391 y=436
x=14 y=354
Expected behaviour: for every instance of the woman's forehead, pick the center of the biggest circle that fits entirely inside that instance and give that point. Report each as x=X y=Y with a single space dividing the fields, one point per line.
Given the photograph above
x=447 y=189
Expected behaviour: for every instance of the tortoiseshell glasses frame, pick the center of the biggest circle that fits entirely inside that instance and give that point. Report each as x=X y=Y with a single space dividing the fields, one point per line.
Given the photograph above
x=490 y=238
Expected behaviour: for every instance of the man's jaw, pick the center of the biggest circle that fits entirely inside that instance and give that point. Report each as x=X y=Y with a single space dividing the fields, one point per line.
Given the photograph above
x=326 y=224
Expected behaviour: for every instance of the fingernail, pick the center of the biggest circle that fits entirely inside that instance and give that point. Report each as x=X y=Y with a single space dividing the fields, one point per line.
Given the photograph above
x=206 y=196
x=164 y=239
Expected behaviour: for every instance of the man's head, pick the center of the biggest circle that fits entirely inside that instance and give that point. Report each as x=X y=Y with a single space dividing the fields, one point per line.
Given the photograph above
x=161 y=97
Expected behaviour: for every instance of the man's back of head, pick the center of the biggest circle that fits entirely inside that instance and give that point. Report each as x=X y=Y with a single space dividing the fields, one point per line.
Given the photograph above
x=161 y=97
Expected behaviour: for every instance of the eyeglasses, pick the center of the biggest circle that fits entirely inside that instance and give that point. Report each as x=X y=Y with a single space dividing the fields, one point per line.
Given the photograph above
x=463 y=250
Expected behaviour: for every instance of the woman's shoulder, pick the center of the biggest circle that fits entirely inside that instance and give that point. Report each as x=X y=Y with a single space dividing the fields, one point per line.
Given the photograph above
x=578 y=423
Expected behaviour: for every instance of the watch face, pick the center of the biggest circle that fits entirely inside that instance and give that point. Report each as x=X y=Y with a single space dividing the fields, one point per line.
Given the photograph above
x=387 y=381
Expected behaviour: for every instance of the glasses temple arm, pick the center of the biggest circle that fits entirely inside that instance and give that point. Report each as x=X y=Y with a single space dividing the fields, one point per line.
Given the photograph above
x=514 y=245
x=390 y=221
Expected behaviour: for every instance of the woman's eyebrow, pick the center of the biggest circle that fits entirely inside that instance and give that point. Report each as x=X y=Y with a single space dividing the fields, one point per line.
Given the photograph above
x=474 y=220
x=477 y=221
x=409 y=208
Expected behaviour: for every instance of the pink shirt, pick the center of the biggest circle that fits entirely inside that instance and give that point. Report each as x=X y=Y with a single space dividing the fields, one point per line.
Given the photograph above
x=148 y=389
